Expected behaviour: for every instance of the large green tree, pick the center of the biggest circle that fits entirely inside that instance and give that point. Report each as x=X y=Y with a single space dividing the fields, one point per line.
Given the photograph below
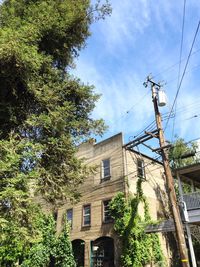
x=44 y=111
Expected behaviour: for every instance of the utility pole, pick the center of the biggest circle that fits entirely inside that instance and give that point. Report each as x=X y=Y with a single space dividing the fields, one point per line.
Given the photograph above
x=169 y=178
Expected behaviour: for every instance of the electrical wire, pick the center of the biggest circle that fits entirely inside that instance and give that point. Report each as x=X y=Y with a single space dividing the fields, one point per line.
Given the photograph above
x=186 y=107
x=182 y=109
x=189 y=71
x=175 y=64
x=179 y=87
x=132 y=107
x=193 y=140
x=147 y=128
x=194 y=106
x=179 y=68
x=192 y=117
x=147 y=167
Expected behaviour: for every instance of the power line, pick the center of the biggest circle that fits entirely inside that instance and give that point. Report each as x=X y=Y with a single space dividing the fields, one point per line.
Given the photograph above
x=190 y=70
x=192 y=117
x=194 y=106
x=147 y=128
x=138 y=102
x=180 y=57
x=175 y=64
x=179 y=87
x=132 y=107
x=193 y=140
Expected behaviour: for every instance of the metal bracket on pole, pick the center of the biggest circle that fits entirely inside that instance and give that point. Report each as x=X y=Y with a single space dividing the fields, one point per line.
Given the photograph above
x=140 y=140
x=153 y=135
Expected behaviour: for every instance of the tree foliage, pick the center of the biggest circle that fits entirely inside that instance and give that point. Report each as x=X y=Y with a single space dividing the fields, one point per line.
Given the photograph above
x=44 y=111
x=178 y=158
x=39 y=99
x=182 y=154
x=50 y=250
x=138 y=247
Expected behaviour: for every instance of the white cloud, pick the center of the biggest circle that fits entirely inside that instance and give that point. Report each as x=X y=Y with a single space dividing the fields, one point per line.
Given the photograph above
x=141 y=37
x=128 y=19
x=131 y=19
x=120 y=94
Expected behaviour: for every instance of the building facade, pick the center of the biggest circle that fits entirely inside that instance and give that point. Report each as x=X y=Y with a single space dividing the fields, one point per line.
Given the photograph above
x=93 y=238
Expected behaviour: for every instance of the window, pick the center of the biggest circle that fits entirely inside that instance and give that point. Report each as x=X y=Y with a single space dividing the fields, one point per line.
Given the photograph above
x=141 y=168
x=86 y=215
x=105 y=169
x=55 y=215
x=69 y=216
x=106 y=211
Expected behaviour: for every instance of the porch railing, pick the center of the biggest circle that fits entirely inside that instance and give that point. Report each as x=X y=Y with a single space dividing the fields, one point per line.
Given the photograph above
x=192 y=200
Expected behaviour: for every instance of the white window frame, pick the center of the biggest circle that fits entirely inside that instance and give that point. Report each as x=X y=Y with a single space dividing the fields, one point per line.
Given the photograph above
x=85 y=215
x=104 y=211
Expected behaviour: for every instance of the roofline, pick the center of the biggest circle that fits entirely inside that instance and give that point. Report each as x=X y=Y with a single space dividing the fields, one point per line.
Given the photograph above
x=134 y=151
x=123 y=147
x=111 y=137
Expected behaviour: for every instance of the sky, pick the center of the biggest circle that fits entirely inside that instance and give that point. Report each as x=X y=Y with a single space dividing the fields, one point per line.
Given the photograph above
x=143 y=37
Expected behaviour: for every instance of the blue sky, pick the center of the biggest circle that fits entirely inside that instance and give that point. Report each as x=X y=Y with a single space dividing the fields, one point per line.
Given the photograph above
x=142 y=37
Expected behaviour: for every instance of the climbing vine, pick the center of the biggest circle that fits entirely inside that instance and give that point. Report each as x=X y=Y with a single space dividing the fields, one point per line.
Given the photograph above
x=138 y=248
x=52 y=249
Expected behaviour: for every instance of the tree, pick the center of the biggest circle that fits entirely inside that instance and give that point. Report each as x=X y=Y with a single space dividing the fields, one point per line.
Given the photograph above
x=44 y=111
x=50 y=250
x=182 y=153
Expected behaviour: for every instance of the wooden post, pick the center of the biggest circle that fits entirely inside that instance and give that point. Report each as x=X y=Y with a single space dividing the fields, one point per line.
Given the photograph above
x=191 y=248
x=170 y=183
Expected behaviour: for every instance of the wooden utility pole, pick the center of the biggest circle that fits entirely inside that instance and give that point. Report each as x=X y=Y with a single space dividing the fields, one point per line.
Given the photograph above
x=169 y=179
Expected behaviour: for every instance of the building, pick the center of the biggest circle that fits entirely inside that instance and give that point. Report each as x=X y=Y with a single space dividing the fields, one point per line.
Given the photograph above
x=188 y=178
x=117 y=169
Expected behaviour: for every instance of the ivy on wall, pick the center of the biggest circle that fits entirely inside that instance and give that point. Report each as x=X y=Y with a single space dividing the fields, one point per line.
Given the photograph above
x=138 y=248
x=51 y=250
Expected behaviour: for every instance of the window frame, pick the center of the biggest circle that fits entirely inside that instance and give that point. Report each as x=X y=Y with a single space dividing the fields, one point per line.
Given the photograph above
x=103 y=168
x=55 y=215
x=83 y=215
x=110 y=220
x=141 y=169
x=70 y=221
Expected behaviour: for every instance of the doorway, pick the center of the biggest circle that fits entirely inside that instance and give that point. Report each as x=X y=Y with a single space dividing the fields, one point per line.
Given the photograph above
x=102 y=250
x=78 y=246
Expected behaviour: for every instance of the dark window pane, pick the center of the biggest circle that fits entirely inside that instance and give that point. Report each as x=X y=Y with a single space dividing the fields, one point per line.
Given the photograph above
x=69 y=215
x=55 y=215
x=87 y=220
x=106 y=216
x=86 y=215
x=105 y=168
x=140 y=168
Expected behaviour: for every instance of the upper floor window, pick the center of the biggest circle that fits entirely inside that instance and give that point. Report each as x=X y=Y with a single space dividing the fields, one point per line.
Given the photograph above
x=55 y=215
x=86 y=215
x=70 y=216
x=106 y=212
x=105 y=172
x=141 y=168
